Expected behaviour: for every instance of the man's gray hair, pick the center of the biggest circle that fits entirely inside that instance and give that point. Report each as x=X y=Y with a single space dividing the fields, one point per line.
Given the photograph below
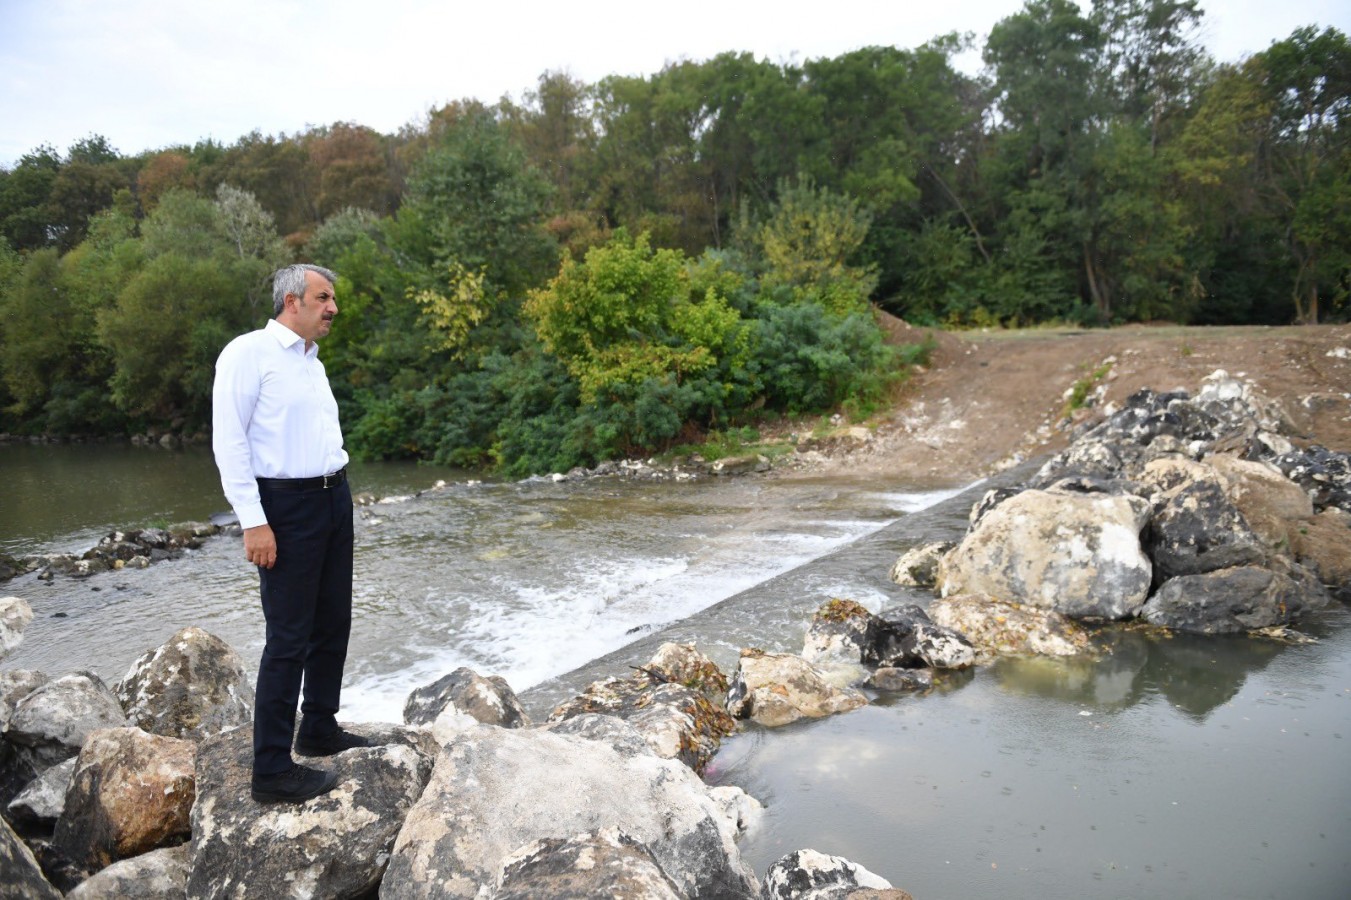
x=291 y=280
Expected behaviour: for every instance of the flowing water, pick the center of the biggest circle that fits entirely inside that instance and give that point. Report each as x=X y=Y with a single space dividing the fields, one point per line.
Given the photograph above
x=1179 y=768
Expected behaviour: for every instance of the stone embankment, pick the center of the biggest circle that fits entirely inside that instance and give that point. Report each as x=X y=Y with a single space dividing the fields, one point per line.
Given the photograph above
x=1203 y=514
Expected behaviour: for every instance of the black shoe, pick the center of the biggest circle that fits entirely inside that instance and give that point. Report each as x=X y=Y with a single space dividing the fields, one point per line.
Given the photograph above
x=296 y=784
x=330 y=744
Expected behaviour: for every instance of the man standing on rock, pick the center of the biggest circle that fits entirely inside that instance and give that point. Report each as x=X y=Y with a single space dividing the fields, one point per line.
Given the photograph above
x=279 y=450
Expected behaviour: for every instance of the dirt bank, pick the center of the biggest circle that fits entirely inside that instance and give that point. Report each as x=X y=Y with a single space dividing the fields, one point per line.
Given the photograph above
x=991 y=399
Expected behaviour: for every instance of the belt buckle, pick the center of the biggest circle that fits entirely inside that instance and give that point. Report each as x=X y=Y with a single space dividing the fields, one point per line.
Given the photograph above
x=327 y=483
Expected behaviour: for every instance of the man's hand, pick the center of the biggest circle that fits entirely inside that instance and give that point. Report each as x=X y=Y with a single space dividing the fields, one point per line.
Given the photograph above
x=260 y=546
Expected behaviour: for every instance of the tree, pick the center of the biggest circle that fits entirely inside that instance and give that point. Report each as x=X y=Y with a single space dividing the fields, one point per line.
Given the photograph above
x=24 y=194
x=1308 y=80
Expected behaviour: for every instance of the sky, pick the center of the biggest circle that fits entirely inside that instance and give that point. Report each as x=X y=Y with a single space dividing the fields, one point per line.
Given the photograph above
x=148 y=74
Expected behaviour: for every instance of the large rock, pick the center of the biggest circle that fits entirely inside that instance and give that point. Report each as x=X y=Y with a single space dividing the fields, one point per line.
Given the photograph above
x=606 y=863
x=777 y=688
x=333 y=846
x=158 y=875
x=19 y=871
x=15 y=684
x=998 y=628
x=1075 y=553
x=810 y=875
x=1323 y=545
x=1269 y=501
x=40 y=803
x=191 y=686
x=669 y=702
x=15 y=614
x=842 y=632
x=495 y=790
x=488 y=700
x=1243 y=598
x=1325 y=475
x=51 y=723
x=918 y=566
x=131 y=792
x=1196 y=529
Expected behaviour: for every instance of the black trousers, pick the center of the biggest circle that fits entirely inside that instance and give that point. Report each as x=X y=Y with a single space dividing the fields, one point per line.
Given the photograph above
x=307 y=603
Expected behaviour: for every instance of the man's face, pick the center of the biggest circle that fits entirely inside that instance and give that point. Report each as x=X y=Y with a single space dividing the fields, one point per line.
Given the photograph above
x=313 y=314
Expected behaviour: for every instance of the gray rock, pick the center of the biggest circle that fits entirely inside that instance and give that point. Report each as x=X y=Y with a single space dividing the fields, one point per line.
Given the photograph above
x=1243 y=598
x=841 y=631
x=775 y=689
x=131 y=792
x=15 y=684
x=613 y=731
x=533 y=784
x=809 y=875
x=918 y=566
x=939 y=647
x=191 y=686
x=333 y=846
x=51 y=723
x=158 y=875
x=606 y=863
x=40 y=803
x=15 y=614
x=1195 y=529
x=23 y=878
x=489 y=700
x=676 y=720
x=740 y=465
x=1079 y=554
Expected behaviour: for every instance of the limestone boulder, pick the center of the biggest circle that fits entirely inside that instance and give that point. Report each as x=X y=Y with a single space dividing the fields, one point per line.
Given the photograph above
x=677 y=722
x=51 y=723
x=489 y=700
x=1268 y=501
x=1322 y=544
x=191 y=686
x=15 y=684
x=496 y=790
x=684 y=664
x=999 y=628
x=1196 y=528
x=158 y=875
x=22 y=877
x=40 y=803
x=335 y=845
x=613 y=731
x=1079 y=554
x=775 y=689
x=1243 y=598
x=15 y=614
x=130 y=793
x=604 y=863
x=918 y=566
x=810 y=875
x=842 y=632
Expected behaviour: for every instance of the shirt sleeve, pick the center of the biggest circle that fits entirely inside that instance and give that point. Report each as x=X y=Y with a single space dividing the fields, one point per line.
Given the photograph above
x=234 y=395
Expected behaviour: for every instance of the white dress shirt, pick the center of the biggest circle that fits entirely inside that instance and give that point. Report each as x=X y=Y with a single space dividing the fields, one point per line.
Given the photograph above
x=272 y=416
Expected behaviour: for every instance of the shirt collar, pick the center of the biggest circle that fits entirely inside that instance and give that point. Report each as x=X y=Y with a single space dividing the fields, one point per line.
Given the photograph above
x=288 y=338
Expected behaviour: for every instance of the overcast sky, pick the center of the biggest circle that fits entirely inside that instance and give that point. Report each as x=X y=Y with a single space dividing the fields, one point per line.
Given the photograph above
x=153 y=73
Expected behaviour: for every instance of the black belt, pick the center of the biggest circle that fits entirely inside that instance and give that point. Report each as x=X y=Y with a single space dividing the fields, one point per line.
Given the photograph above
x=320 y=482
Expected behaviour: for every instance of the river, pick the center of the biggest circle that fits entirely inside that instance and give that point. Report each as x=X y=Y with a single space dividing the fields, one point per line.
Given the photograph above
x=1180 y=768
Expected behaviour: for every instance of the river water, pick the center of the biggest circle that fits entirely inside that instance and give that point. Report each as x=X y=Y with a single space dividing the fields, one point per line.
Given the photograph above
x=1179 y=768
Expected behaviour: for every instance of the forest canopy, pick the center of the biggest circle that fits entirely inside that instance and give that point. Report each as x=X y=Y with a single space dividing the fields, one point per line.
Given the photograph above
x=601 y=269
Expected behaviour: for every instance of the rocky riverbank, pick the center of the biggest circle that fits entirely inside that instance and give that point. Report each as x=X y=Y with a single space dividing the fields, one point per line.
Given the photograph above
x=1200 y=513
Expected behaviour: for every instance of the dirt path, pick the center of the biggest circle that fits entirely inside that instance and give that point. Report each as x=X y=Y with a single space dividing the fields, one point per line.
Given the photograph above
x=992 y=399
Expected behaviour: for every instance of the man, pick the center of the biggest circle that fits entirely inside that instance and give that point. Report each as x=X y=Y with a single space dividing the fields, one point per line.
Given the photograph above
x=283 y=467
